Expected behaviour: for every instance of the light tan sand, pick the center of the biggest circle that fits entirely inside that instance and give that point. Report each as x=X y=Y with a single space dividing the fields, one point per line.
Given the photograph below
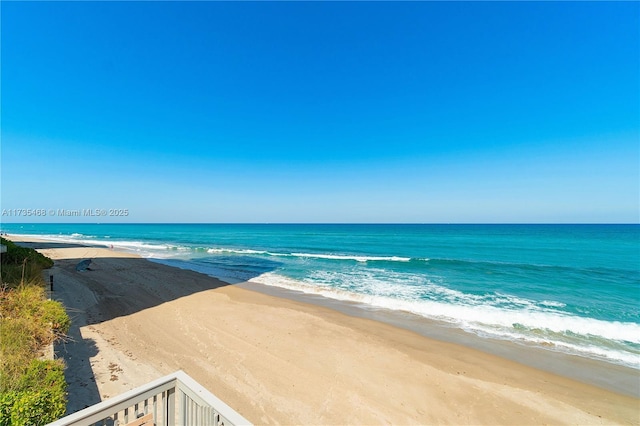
x=278 y=361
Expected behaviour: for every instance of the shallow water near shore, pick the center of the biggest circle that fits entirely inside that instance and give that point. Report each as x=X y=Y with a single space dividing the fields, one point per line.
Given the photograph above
x=563 y=289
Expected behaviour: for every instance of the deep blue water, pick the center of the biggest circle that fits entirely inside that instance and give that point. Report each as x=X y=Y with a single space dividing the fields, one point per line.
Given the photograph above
x=572 y=288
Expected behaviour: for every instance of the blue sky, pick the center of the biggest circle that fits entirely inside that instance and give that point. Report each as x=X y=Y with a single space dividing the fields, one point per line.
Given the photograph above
x=322 y=112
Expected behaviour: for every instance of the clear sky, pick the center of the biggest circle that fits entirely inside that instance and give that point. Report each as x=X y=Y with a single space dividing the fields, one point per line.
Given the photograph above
x=322 y=111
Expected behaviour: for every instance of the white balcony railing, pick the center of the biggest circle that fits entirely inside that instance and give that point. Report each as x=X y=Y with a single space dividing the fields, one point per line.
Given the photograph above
x=173 y=400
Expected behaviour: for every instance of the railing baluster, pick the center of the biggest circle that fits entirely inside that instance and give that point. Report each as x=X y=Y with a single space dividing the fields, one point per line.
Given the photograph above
x=155 y=407
x=183 y=407
x=192 y=414
x=164 y=410
x=171 y=407
x=187 y=405
x=195 y=412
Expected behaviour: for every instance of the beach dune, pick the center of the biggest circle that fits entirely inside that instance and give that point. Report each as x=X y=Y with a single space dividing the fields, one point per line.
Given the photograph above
x=279 y=361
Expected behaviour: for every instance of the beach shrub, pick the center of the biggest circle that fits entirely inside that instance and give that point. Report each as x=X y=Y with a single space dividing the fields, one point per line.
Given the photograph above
x=26 y=306
x=6 y=405
x=31 y=408
x=53 y=314
x=28 y=322
x=17 y=348
x=40 y=397
x=16 y=254
x=21 y=264
x=47 y=374
x=32 y=391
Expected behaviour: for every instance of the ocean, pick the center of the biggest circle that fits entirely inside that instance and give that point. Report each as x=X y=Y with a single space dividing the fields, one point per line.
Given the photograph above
x=565 y=288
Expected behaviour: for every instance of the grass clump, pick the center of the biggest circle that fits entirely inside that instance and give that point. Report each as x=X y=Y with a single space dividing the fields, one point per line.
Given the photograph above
x=32 y=391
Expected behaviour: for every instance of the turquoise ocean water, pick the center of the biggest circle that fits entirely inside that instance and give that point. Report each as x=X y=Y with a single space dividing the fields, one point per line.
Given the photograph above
x=568 y=288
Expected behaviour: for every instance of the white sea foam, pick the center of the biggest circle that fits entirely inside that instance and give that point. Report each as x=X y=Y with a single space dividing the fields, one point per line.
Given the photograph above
x=312 y=255
x=139 y=247
x=612 y=354
x=236 y=251
x=521 y=320
x=553 y=304
x=353 y=257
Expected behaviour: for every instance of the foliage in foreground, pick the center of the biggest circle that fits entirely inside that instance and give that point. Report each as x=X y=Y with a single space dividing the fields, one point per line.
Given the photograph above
x=32 y=391
x=40 y=398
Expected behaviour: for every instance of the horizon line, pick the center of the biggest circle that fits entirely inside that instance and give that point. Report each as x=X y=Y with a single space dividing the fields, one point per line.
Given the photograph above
x=320 y=223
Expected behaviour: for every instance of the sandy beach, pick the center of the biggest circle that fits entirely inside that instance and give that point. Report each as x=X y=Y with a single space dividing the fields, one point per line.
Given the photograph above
x=280 y=361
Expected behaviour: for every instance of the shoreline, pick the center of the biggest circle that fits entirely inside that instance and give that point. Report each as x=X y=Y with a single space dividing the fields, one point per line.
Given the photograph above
x=598 y=372
x=613 y=377
x=254 y=349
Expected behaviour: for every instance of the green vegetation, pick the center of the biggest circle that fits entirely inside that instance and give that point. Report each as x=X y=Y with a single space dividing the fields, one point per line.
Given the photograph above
x=20 y=263
x=42 y=400
x=32 y=391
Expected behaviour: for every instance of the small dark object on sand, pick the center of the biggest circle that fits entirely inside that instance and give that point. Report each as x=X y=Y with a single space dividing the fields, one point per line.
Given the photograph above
x=83 y=265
